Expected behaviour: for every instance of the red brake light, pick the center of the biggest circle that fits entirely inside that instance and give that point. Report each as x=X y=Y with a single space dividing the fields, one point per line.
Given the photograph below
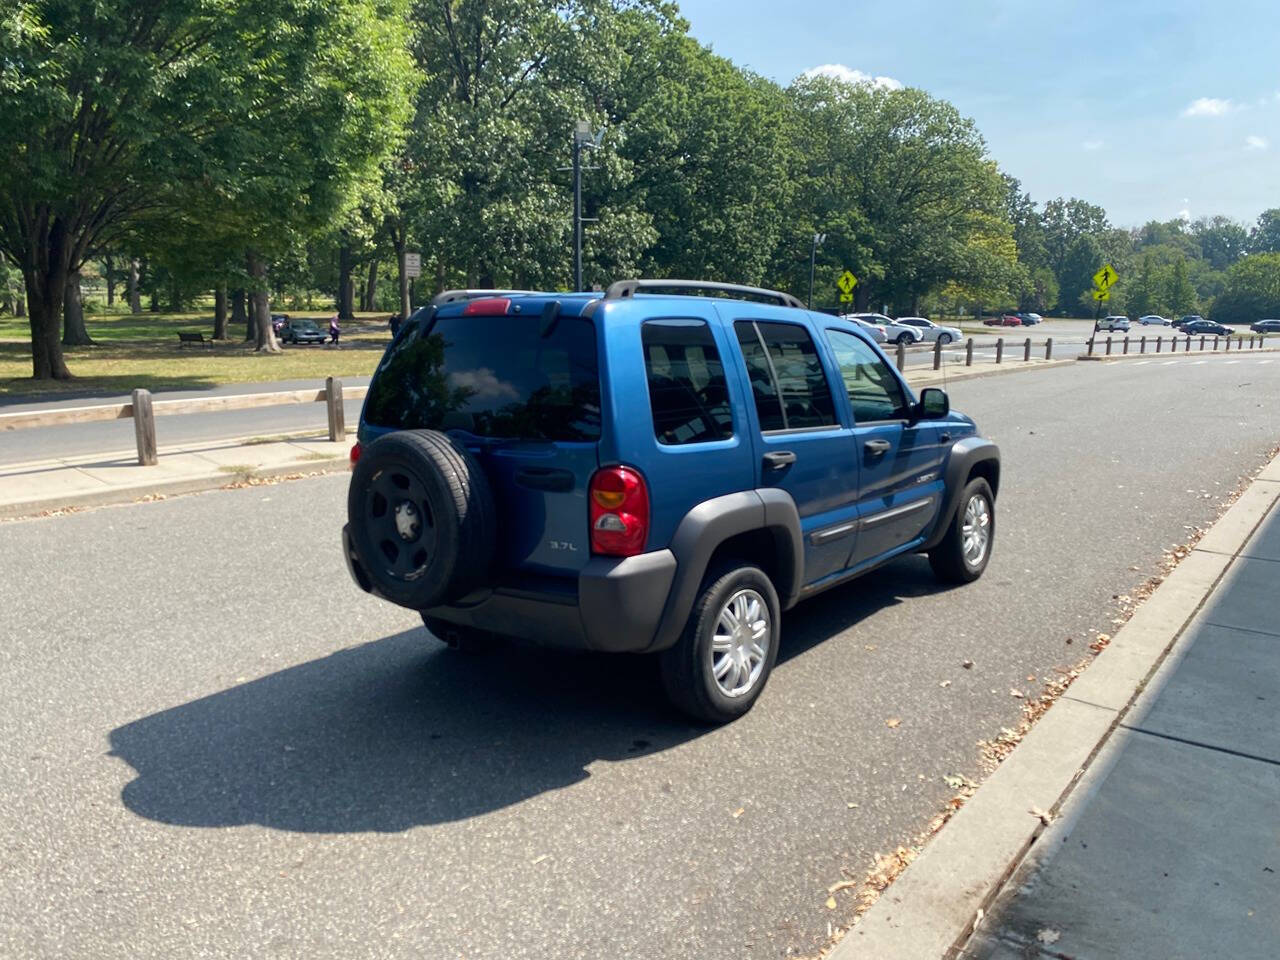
x=619 y=502
x=487 y=307
x=355 y=453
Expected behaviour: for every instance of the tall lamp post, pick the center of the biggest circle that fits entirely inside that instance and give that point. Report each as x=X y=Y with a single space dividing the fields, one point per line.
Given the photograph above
x=583 y=139
x=818 y=239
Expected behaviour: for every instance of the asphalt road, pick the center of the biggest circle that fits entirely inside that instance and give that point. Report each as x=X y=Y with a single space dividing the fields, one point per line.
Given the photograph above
x=215 y=745
x=83 y=439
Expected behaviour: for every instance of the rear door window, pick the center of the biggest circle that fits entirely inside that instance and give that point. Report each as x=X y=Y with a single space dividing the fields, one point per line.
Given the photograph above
x=513 y=377
x=688 y=394
x=787 y=379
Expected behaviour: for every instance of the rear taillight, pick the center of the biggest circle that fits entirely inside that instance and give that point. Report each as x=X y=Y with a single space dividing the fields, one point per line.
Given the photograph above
x=619 y=512
x=487 y=307
x=355 y=453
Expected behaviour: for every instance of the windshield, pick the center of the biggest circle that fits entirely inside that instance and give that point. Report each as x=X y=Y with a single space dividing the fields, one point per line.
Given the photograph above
x=304 y=325
x=492 y=377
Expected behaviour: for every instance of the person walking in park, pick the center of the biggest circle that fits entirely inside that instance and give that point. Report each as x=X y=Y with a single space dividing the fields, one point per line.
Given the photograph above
x=334 y=329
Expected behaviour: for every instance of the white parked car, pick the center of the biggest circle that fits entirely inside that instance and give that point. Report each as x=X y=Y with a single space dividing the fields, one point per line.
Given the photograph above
x=1113 y=323
x=930 y=331
x=876 y=331
x=893 y=331
x=1152 y=318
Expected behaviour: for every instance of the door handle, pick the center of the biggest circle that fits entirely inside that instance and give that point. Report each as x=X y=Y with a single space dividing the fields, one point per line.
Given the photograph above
x=779 y=459
x=945 y=438
x=877 y=447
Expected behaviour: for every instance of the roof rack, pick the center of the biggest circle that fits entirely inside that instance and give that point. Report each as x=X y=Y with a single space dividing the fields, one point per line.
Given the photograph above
x=624 y=289
x=455 y=296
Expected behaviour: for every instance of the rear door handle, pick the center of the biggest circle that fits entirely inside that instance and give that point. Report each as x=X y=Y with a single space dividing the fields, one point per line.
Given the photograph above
x=877 y=447
x=779 y=459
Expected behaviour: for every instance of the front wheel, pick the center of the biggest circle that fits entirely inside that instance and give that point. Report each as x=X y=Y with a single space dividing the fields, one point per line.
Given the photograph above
x=723 y=659
x=964 y=551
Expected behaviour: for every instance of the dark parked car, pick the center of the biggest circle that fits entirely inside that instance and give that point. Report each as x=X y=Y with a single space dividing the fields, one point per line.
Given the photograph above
x=1183 y=321
x=1206 y=328
x=302 y=331
x=1028 y=319
x=1265 y=326
x=642 y=472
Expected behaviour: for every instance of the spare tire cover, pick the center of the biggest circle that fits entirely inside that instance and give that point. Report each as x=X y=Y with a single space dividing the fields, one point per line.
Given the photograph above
x=422 y=518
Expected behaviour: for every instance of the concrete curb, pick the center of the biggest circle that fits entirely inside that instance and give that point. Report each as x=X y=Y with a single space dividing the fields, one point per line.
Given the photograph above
x=930 y=911
x=1172 y=355
x=968 y=373
x=168 y=488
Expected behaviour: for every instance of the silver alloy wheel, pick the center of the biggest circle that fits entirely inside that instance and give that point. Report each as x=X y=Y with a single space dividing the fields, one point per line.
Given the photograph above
x=975 y=533
x=740 y=645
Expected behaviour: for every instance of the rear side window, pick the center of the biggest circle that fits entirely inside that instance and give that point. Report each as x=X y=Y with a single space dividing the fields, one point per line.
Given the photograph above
x=687 y=390
x=503 y=377
x=787 y=379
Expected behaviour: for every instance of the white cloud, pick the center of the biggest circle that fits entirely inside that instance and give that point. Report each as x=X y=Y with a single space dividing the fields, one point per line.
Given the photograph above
x=1255 y=142
x=1092 y=145
x=1184 y=214
x=839 y=71
x=1208 y=107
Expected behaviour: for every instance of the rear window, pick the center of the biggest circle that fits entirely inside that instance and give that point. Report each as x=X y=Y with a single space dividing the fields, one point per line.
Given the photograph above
x=507 y=377
x=786 y=375
x=687 y=390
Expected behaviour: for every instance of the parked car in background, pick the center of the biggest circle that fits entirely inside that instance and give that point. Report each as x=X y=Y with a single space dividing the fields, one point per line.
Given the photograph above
x=1114 y=323
x=302 y=331
x=1205 y=328
x=1183 y=321
x=876 y=332
x=930 y=331
x=1265 y=326
x=1155 y=319
x=893 y=331
x=1007 y=320
x=278 y=322
x=1028 y=319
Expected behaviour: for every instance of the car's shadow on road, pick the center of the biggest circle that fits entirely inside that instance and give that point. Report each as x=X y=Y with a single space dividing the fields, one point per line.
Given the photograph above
x=401 y=732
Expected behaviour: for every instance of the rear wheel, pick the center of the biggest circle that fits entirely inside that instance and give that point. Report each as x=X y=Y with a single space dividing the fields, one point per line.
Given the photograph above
x=944 y=338
x=905 y=339
x=719 y=667
x=963 y=554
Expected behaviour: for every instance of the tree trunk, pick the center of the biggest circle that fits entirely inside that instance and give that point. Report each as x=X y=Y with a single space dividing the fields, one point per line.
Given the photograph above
x=220 y=312
x=74 y=333
x=238 y=312
x=20 y=302
x=175 y=296
x=109 y=268
x=45 y=276
x=260 y=302
x=135 y=298
x=345 y=286
x=371 y=288
x=398 y=241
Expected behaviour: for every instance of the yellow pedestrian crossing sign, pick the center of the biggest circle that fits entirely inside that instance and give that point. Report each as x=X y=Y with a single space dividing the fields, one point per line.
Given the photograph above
x=1101 y=295
x=1105 y=277
x=846 y=283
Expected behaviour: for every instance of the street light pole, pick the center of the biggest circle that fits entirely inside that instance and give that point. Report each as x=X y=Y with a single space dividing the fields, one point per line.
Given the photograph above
x=581 y=132
x=818 y=238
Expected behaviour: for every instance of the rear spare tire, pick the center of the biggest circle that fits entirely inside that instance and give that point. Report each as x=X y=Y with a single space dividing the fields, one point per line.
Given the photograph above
x=422 y=518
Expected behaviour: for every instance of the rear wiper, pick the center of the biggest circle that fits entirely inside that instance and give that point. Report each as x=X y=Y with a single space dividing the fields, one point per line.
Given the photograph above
x=550 y=317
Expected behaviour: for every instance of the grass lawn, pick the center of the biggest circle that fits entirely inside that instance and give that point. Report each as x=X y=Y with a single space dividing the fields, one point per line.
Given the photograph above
x=143 y=351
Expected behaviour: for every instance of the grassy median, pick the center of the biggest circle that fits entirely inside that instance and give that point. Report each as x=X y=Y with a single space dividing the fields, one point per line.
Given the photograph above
x=143 y=351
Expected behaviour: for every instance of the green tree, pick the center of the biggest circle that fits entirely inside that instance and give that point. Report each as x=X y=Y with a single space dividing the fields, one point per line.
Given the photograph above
x=1180 y=294
x=1265 y=235
x=1065 y=222
x=260 y=112
x=1221 y=241
x=1251 y=292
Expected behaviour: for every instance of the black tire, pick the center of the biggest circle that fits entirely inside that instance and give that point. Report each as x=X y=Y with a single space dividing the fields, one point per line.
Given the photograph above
x=422 y=516
x=905 y=339
x=944 y=338
x=948 y=559
x=687 y=669
x=467 y=640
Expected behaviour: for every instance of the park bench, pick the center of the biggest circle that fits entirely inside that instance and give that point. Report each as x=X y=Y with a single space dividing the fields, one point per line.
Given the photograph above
x=185 y=338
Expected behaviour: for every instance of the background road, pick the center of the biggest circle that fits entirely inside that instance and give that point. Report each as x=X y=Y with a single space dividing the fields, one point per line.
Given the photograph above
x=217 y=746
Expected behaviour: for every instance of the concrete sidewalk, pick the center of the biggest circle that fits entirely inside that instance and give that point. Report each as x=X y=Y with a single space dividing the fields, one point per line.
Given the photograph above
x=1169 y=849
x=39 y=486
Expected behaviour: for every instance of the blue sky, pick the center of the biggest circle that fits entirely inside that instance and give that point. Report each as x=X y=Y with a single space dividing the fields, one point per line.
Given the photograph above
x=1151 y=109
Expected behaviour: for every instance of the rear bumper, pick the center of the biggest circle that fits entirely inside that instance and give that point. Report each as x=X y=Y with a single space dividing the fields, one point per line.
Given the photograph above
x=614 y=605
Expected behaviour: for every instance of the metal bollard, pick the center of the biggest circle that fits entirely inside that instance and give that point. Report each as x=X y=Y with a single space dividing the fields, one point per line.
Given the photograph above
x=1126 y=344
x=999 y=349
x=1202 y=342
x=1091 y=346
x=1142 y=344
x=144 y=427
x=1108 y=345
x=902 y=356
x=1215 y=343
x=1026 y=353
x=937 y=354
x=968 y=353
x=1048 y=349
x=1159 y=342
x=337 y=413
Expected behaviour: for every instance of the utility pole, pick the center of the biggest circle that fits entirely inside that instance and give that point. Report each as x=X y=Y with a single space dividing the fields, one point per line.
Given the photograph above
x=583 y=139
x=818 y=240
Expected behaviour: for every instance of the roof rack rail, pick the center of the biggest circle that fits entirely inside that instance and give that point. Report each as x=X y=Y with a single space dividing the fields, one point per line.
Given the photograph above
x=623 y=289
x=454 y=296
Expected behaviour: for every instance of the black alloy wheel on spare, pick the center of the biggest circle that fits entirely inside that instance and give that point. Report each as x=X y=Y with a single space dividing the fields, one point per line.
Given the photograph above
x=422 y=517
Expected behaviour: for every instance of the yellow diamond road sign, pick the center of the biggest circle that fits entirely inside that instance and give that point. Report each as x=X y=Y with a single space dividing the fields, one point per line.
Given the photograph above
x=847 y=282
x=1102 y=295
x=1105 y=277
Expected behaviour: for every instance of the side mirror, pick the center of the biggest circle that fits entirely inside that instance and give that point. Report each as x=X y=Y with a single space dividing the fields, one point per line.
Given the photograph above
x=934 y=404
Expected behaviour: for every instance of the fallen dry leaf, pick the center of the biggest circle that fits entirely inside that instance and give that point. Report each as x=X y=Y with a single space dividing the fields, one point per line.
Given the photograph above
x=1045 y=818
x=842 y=885
x=945 y=683
x=966 y=664
x=831 y=903
x=892 y=722
x=1014 y=692
x=1048 y=936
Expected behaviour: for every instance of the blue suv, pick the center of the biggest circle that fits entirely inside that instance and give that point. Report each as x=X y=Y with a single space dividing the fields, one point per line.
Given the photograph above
x=651 y=471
